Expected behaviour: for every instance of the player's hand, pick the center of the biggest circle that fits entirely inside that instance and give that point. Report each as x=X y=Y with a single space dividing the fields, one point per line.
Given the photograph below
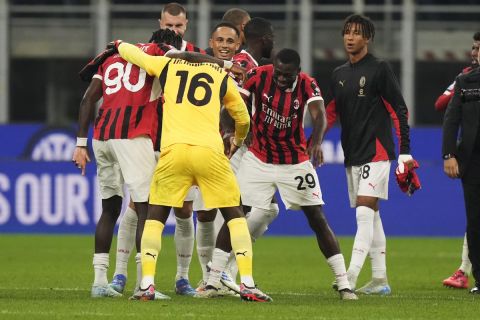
x=114 y=45
x=233 y=147
x=239 y=72
x=80 y=158
x=402 y=160
x=450 y=167
x=316 y=155
x=226 y=142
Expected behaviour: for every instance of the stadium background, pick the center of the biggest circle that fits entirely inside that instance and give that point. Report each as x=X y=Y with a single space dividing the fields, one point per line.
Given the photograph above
x=44 y=44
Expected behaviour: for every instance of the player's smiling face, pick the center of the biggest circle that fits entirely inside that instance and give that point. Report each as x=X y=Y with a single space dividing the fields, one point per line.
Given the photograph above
x=284 y=74
x=224 y=43
x=354 y=40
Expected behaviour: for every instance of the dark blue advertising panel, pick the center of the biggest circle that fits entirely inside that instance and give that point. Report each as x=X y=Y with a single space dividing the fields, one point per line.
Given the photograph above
x=42 y=192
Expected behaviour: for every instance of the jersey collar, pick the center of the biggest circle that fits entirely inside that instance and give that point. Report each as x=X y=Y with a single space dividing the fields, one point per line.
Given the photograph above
x=248 y=54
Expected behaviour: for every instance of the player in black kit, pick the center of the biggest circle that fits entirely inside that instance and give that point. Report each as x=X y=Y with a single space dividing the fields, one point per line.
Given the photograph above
x=365 y=94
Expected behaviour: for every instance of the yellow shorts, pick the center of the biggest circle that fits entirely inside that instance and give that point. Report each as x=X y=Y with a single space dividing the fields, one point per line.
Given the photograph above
x=180 y=166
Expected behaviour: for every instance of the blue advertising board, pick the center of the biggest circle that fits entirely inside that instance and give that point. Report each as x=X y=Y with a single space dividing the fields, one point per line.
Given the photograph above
x=42 y=192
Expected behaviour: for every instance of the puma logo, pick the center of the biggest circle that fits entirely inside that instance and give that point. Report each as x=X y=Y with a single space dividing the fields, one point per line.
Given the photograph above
x=372 y=185
x=341 y=82
x=267 y=97
x=316 y=194
x=241 y=253
x=151 y=254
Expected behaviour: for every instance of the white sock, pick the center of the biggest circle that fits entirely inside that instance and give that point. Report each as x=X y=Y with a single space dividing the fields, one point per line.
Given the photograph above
x=125 y=240
x=100 y=267
x=258 y=220
x=362 y=243
x=205 y=245
x=232 y=267
x=219 y=262
x=337 y=264
x=184 y=240
x=138 y=264
x=378 y=249
x=466 y=265
x=218 y=223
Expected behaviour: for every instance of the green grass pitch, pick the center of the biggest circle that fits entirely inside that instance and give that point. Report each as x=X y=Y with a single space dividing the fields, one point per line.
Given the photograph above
x=49 y=277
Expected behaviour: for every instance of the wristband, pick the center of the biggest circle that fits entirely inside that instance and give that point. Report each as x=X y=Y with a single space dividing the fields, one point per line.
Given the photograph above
x=82 y=142
x=227 y=64
x=448 y=156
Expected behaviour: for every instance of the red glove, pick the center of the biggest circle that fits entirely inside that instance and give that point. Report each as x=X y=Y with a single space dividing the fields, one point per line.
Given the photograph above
x=91 y=68
x=408 y=181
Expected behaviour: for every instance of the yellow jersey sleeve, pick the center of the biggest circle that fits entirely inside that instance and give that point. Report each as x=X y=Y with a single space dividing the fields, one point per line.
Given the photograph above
x=153 y=65
x=237 y=109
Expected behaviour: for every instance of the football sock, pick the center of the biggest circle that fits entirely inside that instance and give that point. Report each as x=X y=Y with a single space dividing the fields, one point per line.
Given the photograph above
x=184 y=241
x=242 y=247
x=219 y=262
x=378 y=249
x=466 y=265
x=151 y=246
x=362 y=243
x=218 y=223
x=125 y=240
x=205 y=244
x=138 y=264
x=258 y=220
x=337 y=264
x=100 y=267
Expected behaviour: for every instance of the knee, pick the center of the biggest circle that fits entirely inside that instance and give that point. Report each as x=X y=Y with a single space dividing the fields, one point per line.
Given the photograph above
x=185 y=211
x=112 y=206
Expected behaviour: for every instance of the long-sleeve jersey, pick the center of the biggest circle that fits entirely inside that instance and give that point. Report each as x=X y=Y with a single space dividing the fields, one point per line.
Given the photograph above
x=367 y=98
x=193 y=94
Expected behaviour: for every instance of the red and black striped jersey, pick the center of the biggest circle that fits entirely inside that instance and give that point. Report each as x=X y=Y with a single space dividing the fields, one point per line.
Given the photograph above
x=277 y=115
x=190 y=47
x=244 y=60
x=130 y=98
x=367 y=98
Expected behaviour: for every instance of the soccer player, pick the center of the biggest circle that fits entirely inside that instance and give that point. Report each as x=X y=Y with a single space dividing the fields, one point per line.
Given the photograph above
x=124 y=132
x=366 y=96
x=239 y=18
x=192 y=152
x=224 y=42
x=459 y=279
x=278 y=156
x=173 y=17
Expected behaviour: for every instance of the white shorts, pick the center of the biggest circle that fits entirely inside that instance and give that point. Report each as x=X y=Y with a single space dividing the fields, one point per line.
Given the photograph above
x=129 y=161
x=192 y=192
x=370 y=179
x=297 y=183
x=236 y=159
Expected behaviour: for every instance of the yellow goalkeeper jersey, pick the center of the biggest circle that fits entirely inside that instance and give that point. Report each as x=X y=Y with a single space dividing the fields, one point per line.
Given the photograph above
x=193 y=94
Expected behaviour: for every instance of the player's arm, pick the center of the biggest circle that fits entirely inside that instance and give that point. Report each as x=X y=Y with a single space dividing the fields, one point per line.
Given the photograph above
x=237 y=109
x=85 y=116
x=153 y=65
x=451 y=125
x=331 y=106
x=317 y=112
x=442 y=101
x=197 y=57
x=390 y=92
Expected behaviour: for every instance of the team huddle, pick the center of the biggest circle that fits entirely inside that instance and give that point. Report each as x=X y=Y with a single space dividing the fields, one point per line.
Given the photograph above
x=220 y=134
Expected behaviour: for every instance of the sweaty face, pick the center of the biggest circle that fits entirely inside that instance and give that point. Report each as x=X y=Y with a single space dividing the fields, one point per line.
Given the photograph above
x=475 y=53
x=224 y=43
x=178 y=24
x=284 y=74
x=353 y=39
